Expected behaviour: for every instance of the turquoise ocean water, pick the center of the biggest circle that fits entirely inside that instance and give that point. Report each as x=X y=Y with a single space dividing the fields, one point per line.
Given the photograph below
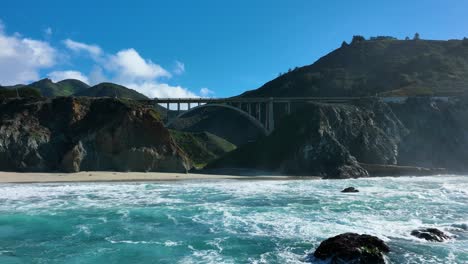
x=227 y=221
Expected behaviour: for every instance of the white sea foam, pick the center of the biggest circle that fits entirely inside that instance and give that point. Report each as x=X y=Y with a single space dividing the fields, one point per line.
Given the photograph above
x=300 y=212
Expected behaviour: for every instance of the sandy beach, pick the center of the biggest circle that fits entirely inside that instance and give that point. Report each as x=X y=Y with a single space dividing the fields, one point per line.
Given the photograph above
x=103 y=176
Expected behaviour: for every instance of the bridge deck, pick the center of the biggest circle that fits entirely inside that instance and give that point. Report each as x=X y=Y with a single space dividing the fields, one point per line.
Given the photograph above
x=251 y=100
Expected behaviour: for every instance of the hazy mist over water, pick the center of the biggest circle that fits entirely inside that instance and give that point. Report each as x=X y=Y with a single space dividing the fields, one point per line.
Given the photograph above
x=227 y=221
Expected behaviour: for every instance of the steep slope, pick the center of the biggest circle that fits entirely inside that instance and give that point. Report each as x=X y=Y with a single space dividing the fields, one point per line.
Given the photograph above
x=74 y=134
x=111 y=90
x=21 y=91
x=324 y=139
x=72 y=86
x=345 y=140
x=379 y=66
x=222 y=122
x=64 y=88
x=437 y=133
x=202 y=147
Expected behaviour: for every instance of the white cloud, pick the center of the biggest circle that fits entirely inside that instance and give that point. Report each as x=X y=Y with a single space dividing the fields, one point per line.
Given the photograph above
x=97 y=75
x=21 y=59
x=129 y=65
x=57 y=76
x=179 y=68
x=94 y=50
x=161 y=90
x=205 y=92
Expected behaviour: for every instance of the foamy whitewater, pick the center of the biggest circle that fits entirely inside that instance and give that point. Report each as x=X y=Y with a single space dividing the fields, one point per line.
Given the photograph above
x=228 y=221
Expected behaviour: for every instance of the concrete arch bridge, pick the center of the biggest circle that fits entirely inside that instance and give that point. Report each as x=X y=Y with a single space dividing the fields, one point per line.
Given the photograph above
x=260 y=111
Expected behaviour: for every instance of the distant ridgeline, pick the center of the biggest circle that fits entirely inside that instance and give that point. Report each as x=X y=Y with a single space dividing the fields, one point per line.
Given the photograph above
x=382 y=66
x=70 y=87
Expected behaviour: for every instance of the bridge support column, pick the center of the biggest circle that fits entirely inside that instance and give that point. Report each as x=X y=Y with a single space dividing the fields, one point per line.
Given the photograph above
x=178 y=108
x=167 y=112
x=288 y=108
x=271 y=117
x=188 y=106
x=257 y=111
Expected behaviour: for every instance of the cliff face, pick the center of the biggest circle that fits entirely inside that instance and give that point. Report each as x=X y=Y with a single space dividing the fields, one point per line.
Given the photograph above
x=438 y=133
x=326 y=140
x=366 y=137
x=73 y=134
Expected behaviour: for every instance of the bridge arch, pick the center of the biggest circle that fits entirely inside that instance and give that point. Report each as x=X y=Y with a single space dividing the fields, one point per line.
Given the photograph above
x=252 y=119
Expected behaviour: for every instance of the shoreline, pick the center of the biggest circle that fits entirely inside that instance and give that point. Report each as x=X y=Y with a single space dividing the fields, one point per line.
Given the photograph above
x=109 y=176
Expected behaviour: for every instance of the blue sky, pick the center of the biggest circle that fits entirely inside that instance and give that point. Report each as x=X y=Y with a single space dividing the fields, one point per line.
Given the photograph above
x=225 y=47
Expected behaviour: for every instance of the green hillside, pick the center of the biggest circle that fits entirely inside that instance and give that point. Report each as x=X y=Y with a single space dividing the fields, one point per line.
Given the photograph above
x=111 y=90
x=23 y=91
x=73 y=86
x=63 y=88
x=383 y=65
x=203 y=147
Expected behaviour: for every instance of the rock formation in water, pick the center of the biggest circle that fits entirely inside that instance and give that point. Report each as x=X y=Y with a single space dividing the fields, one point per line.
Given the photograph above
x=350 y=190
x=430 y=234
x=75 y=134
x=352 y=248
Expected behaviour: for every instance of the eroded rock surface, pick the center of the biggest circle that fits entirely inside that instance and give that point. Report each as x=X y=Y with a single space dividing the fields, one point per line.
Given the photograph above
x=352 y=248
x=430 y=234
x=350 y=190
x=75 y=134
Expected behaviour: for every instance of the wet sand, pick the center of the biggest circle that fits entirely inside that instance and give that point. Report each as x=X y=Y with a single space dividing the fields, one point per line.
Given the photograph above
x=104 y=176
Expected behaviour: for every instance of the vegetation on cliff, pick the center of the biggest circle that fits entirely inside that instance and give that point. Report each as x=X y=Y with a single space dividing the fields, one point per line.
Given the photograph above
x=381 y=65
x=63 y=88
x=22 y=91
x=222 y=122
x=111 y=90
x=202 y=147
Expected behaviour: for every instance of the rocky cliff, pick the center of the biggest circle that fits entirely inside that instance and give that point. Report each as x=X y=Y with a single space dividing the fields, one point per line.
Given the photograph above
x=350 y=140
x=75 y=134
x=437 y=133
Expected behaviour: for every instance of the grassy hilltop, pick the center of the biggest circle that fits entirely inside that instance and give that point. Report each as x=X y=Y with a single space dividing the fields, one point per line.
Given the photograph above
x=381 y=65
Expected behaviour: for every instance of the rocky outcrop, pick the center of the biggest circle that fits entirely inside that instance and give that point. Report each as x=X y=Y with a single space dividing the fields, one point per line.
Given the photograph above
x=437 y=133
x=350 y=190
x=75 y=134
x=421 y=136
x=327 y=140
x=430 y=234
x=352 y=248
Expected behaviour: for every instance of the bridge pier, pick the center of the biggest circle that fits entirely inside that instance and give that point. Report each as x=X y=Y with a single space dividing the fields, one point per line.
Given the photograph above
x=271 y=118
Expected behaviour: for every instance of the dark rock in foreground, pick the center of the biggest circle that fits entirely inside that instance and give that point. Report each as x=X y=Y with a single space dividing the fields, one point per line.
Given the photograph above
x=76 y=134
x=430 y=234
x=350 y=190
x=352 y=248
